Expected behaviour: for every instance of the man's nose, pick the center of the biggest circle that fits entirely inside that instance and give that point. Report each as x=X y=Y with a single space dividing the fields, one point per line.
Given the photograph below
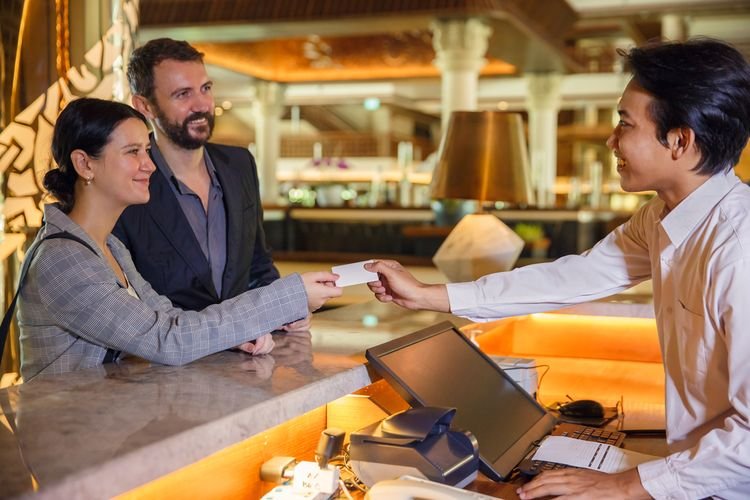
x=203 y=103
x=612 y=141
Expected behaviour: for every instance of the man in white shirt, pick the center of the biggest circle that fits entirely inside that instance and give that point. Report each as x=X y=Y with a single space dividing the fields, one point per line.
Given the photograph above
x=684 y=120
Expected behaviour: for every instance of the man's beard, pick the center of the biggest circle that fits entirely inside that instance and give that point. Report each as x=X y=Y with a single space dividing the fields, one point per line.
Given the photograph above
x=179 y=133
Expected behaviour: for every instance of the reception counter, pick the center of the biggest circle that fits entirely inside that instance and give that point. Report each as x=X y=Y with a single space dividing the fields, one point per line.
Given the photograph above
x=126 y=429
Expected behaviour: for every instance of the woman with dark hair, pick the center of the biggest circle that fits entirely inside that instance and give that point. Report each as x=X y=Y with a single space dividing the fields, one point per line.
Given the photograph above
x=83 y=302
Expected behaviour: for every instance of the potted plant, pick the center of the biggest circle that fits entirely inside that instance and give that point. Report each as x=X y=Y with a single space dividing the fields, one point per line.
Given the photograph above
x=534 y=238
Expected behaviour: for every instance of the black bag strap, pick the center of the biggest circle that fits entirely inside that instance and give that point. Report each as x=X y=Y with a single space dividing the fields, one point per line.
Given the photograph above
x=5 y=325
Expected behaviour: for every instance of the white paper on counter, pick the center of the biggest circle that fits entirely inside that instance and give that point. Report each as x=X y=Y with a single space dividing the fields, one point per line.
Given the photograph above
x=589 y=455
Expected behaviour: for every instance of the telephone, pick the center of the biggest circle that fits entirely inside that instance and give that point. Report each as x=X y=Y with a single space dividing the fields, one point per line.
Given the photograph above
x=410 y=488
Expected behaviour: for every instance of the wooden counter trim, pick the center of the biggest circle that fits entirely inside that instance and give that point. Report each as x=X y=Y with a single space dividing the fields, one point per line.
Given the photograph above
x=233 y=473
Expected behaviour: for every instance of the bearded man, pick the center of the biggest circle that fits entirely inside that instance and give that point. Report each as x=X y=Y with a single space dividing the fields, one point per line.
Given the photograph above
x=199 y=240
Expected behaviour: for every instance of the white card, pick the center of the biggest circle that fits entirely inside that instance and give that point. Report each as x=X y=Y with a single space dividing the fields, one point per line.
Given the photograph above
x=354 y=274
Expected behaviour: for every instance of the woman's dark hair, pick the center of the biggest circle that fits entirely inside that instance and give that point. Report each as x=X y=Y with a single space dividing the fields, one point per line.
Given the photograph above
x=84 y=124
x=702 y=84
x=144 y=59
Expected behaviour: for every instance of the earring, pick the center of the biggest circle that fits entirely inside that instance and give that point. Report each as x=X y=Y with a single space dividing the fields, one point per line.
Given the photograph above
x=88 y=180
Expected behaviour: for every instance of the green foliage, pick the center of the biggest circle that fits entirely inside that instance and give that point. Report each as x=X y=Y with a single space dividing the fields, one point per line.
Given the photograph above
x=529 y=232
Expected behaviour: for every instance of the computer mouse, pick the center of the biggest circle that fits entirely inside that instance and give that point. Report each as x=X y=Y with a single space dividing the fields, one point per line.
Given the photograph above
x=583 y=408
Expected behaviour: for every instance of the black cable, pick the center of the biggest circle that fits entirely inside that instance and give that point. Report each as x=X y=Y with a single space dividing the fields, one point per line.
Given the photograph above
x=541 y=377
x=352 y=481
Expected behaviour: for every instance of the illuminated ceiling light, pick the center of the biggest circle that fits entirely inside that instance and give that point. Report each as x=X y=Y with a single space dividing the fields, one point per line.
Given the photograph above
x=502 y=105
x=218 y=111
x=227 y=105
x=371 y=103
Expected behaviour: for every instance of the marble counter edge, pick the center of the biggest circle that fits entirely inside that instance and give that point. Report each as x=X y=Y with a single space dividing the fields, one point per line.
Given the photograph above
x=161 y=458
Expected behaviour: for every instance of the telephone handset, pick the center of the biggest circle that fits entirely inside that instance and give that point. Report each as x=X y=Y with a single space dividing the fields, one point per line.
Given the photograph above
x=410 y=488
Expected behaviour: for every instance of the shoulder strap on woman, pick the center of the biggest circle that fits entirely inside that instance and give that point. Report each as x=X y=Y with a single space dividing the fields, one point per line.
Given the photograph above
x=5 y=326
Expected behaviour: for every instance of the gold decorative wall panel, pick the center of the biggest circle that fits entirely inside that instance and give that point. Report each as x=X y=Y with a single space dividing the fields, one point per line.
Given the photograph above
x=25 y=142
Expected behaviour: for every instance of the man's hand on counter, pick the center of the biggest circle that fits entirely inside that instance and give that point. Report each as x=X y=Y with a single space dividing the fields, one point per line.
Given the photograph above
x=584 y=484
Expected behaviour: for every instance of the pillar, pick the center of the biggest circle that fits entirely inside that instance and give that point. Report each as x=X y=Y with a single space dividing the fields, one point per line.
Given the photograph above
x=460 y=46
x=268 y=107
x=543 y=103
x=381 y=127
x=673 y=27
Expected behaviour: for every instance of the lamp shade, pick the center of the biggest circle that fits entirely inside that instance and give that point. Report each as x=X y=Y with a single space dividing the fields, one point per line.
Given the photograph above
x=483 y=157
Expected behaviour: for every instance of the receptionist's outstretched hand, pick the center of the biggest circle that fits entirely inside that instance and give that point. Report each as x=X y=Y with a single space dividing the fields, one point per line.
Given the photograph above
x=397 y=285
x=584 y=484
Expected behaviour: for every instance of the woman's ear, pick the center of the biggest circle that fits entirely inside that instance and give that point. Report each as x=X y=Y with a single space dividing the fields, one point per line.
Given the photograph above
x=81 y=162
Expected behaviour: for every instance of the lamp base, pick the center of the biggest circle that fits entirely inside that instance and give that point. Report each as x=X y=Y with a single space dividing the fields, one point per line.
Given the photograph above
x=480 y=244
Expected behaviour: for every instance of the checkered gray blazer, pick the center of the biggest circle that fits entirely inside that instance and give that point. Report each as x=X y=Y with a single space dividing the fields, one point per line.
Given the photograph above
x=72 y=309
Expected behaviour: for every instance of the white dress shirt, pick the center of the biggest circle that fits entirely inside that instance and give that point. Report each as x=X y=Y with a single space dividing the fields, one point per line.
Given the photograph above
x=698 y=256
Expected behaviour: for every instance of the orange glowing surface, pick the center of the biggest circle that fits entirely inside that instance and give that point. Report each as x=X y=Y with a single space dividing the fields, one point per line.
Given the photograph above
x=569 y=335
x=367 y=57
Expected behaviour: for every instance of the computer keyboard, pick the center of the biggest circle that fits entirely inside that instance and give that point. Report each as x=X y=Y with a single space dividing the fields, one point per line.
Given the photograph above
x=614 y=438
x=531 y=468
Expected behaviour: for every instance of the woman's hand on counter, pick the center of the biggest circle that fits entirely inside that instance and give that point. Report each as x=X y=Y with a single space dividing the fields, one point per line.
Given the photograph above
x=301 y=325
x=397 y=285
x=259 y=346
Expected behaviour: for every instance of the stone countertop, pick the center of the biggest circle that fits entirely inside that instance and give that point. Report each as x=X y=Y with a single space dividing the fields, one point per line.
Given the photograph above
x=100 y=432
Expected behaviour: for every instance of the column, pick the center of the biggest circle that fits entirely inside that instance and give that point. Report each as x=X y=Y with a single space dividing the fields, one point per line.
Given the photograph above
x=543 y=103
x=268 y=107
x=673 y=27
x=120 y=87
x=460 y=46
x=381 y=126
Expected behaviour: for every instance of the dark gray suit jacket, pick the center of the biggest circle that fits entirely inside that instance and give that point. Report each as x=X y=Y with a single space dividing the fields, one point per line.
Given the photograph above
x=72 y=309
x=167 y=254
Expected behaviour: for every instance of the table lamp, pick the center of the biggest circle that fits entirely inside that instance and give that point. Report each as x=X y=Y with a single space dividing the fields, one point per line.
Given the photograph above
x=483 y=157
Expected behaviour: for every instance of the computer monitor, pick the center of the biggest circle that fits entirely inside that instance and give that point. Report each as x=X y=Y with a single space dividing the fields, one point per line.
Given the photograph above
x=439 y=366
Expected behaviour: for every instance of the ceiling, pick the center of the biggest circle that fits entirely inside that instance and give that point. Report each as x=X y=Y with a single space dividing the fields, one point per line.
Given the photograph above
x=342 y=58
x=325 y=40
x=343 y=50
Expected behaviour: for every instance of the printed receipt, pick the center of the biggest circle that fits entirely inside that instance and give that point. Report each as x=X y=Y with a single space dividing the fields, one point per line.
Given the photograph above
x=589 y=455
